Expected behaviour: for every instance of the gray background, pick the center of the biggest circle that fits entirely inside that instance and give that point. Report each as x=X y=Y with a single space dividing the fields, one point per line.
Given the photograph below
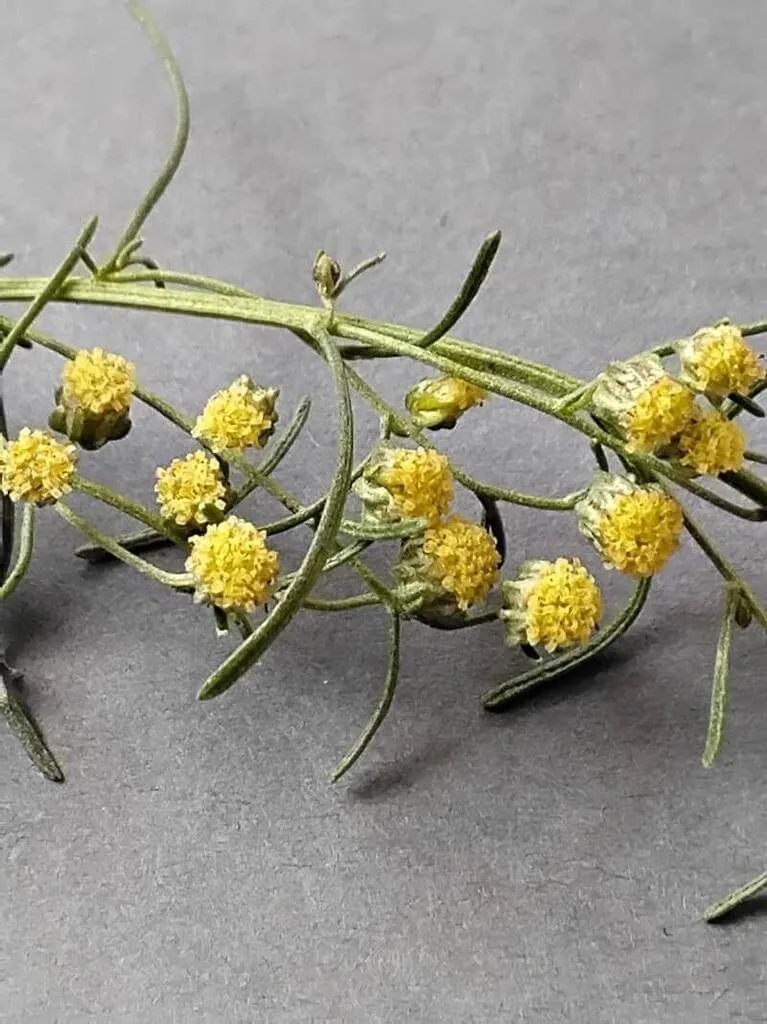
x=545 y=865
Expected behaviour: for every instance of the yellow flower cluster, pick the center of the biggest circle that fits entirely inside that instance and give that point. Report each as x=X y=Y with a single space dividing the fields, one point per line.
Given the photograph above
x=641 y=531
x=188 y=488
x=556 y=604
x=713 y=444
x=419 y=482
x=37 y=468
x=717 y=361
x=659 y=414
x=99 y=382
x=232 y=566
x=462 y=560
x=238 y=417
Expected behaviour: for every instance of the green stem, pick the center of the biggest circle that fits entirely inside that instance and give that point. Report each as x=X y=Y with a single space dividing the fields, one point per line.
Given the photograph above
x=129 y=507
x=756 y=457
x=382 y=708
x=279 y=450
x=171 y=165
x=248 y=653
x=46 y=292
x=24 y=557
x=726 y=569
x=144 y=540
x=736 y=898
x=501 y=696
x=170 y=579
x=341 y=604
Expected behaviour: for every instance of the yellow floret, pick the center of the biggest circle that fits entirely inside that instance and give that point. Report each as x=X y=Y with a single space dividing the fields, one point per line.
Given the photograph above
x=462 y=560
x=556 y=604
x=188 y=487
x=37 y=468
x=717 y=361
x=232 y=566
x=640 y=531
x=99 y=382
x=659 y=414
x=238 y=417
x=713 y=444
x=420 y=483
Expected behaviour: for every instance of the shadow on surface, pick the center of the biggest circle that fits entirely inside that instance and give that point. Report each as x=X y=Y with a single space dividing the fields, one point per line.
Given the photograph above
x=569 y=685
x=398 y=776
x=754 y=907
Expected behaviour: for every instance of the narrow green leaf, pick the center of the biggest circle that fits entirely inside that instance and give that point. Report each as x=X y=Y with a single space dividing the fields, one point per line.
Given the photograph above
x=736 y=898
x=720 y=687
x=471 y=285
x=25 y=729
x=550 y=669
x=383 y=706
x=47 y=292
x=171 y=165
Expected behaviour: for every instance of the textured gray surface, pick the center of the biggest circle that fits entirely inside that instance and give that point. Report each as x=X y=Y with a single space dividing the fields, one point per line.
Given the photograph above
x=546 y=865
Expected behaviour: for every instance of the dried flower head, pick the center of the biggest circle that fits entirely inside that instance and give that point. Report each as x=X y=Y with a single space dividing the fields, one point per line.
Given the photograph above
x=455 y=565
x=649 y=405
x=232 y=566
x=37 y=468
x=439 y=403
x=406 y=483
x=713 y=444
x=190 y=488
x=238 y=417
x=556 y=604
x=717 y=361
x=636 y=528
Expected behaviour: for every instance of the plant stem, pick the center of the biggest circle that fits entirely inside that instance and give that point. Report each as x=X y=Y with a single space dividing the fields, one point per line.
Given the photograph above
x=46 y=292
x=501 y=696
x=171 y=165
x=736 y=898
x=24 y=557
x=169 y=579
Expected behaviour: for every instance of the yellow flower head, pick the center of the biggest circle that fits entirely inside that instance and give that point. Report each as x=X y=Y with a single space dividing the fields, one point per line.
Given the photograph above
x=188 y=487
x=634 y=527
x=37 y=468
x=232 y=566
x=454 y=565
x=717 y=361
x=556 y=604
x=648 y=404
x=660 y=413
x=239 y=417
x=406 y=483
x=438 y=403
x=99 y=382
x=713 y=444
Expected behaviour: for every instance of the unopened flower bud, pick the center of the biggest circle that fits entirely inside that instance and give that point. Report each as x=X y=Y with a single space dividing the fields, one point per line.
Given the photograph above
x=439 y=403
x=326 y=273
